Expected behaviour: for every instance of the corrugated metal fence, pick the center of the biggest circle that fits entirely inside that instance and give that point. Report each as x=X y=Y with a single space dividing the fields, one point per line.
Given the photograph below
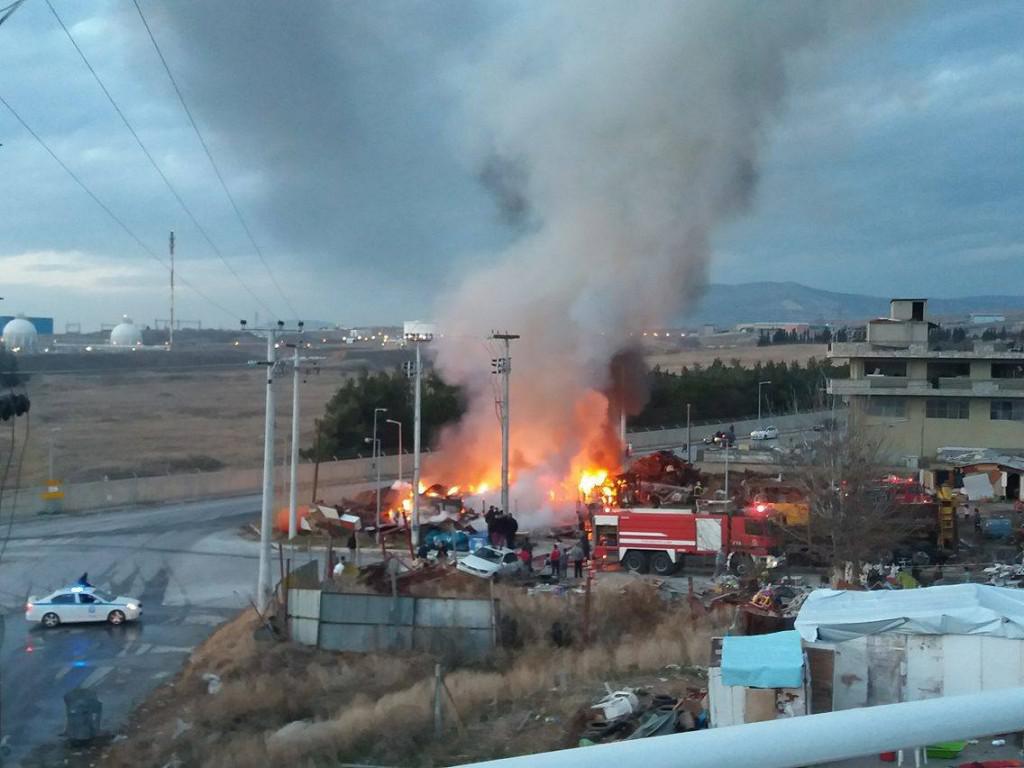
x=451 y=628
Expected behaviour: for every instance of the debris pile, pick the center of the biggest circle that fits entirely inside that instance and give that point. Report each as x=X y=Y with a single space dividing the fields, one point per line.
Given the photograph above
x=636 y=714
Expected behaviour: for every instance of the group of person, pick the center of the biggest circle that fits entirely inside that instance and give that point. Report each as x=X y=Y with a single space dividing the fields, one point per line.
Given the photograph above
x=559 y=559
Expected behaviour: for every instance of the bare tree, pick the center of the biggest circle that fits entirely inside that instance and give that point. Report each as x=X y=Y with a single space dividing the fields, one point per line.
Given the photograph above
x=854 y=515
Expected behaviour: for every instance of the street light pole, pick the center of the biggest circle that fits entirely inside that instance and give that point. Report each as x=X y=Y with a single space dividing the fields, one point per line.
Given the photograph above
x=759 y=385
x=417 y=332
x=399 y=425
x=376 y=461
x=503 y=365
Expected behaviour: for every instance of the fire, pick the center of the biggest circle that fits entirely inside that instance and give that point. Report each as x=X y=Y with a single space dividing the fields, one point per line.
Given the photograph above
x=591 y=479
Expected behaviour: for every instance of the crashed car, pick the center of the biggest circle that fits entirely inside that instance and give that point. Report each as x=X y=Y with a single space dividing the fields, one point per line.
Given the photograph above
x=489 y=562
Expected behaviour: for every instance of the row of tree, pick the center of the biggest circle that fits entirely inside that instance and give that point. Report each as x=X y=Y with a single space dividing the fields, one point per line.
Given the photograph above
x=728 y=391
x=768 y=337
x=718 y=391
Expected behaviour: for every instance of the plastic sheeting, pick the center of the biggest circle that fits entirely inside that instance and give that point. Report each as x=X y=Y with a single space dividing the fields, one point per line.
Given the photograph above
x=763 y=661
x=958 y=609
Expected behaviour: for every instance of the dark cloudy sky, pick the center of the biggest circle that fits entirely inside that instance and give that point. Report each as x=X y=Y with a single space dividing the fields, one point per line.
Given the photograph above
x=897 y=166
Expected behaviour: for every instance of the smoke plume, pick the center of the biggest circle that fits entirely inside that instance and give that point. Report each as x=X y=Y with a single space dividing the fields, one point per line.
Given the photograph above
x=635 y=130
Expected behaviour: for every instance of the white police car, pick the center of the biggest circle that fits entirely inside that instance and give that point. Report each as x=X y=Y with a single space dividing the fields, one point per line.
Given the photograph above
x=81 y=603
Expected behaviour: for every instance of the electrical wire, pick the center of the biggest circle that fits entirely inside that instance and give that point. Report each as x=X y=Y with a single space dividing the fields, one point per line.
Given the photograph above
x=213 y=163
x=5 y=12
x=152 y=161
x=106 y=209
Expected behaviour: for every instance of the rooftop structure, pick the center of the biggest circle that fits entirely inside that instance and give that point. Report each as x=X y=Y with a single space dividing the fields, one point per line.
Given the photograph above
x=926 y=395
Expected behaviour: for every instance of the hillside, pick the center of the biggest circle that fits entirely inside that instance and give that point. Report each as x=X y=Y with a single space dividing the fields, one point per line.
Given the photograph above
x=726 y=305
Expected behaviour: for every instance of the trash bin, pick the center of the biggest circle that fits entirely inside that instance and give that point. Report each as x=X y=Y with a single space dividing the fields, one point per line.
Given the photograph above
x=83 y=710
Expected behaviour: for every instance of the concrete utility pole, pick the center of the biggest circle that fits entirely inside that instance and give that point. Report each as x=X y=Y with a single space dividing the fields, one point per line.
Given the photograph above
x=292 y=480
x=263 y=581
x=689 y=440
x=376 y=463
x=417 y=332
x=503 y=366
x=399 y=425
x=170 y=325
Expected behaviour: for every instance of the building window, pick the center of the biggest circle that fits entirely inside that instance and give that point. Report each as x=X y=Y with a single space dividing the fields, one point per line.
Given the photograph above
x=887 y=406
x=947 y=408
x=1007 y=410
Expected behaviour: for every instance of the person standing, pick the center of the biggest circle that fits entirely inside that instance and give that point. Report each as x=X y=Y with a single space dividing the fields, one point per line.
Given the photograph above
x=576 y=553
x=555 y=559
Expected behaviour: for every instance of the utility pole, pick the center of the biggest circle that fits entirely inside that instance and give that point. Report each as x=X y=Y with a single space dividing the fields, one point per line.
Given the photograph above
x=503 y=366
x=376 y=463
x=759 y=385
x=399 y=425
x=170 y=325
x=689 y=440
x=293 y=484
x=263 y=582
x=417 y=332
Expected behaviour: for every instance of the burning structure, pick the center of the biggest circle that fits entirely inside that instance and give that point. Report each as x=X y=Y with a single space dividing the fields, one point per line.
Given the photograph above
x=632 y=137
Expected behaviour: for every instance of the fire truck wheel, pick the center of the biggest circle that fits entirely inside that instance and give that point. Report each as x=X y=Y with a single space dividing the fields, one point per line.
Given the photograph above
x=635 y=561
x=662 y=564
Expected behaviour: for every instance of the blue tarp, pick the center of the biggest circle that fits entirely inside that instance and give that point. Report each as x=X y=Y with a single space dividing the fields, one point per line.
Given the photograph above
x=763 y=661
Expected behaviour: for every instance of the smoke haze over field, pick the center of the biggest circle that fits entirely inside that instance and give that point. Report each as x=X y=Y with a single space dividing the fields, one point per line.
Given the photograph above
x=635 y=130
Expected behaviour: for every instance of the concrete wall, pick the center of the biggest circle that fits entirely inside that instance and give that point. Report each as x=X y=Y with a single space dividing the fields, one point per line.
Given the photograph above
x=201 y=485
x=334 y=475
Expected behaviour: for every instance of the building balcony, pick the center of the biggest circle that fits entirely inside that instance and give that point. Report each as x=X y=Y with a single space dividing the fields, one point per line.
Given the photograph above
x=980 y=350
x=900 y=386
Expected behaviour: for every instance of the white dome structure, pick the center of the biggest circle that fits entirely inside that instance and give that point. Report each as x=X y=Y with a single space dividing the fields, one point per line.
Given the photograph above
x=20 y=335
x=126 y=334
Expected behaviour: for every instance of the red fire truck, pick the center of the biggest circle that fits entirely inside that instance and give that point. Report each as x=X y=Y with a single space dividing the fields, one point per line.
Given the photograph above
x=658 y=540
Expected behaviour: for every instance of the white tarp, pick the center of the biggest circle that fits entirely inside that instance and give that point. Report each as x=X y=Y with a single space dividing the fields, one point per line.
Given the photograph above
x=958 y=609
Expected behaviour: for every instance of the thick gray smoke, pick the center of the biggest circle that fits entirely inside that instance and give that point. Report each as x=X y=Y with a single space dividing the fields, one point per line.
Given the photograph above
x=636 y=130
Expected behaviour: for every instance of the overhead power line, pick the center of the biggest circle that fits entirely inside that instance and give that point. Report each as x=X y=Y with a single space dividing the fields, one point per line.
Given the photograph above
x=213 y=163
x=6 y=11
x=106 y=209
x=152 y=161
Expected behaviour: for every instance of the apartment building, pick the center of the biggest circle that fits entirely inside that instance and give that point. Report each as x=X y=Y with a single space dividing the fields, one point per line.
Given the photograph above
x=930 y=395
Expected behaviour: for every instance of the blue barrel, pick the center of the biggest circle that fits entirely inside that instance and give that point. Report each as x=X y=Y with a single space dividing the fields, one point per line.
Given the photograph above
x=997 y=528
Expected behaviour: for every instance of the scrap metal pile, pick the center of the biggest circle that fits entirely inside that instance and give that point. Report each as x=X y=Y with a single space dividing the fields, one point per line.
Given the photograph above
x=636 y=714
x=657 y=479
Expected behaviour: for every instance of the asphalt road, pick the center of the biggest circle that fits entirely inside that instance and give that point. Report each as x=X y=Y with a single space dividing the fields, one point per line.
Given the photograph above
x=187 y=564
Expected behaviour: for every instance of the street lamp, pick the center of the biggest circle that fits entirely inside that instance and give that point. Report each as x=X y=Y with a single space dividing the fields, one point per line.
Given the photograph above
x=759 y=385
x=376 y=462
x=399 y=425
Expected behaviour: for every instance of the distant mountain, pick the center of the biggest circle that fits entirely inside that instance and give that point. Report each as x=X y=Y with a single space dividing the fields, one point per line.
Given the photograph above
x=727 y=305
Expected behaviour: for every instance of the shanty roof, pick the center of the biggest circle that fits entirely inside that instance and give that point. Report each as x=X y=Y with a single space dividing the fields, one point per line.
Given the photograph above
x=763 y=661
x=965 y=457
x=956 y=609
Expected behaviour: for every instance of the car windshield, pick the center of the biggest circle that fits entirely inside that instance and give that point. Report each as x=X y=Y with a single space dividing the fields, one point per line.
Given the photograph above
x=488 y=554
x=106 y=597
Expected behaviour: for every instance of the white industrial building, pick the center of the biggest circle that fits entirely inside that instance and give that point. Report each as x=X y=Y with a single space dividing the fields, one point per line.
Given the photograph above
x=126 y=334
x=20 y=335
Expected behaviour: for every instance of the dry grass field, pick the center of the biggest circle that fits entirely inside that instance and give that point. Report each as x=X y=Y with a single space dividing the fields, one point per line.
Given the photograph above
x=122 y=423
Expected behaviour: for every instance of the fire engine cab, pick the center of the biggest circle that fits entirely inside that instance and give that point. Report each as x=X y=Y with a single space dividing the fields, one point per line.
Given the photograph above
x=658 y=539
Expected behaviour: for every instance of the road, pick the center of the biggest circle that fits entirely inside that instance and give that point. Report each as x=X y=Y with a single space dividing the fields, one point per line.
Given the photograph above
x=187 y=564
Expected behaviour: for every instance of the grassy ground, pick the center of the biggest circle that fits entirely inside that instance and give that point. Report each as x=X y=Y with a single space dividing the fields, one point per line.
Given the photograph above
x=123 y=423
x=377 y=709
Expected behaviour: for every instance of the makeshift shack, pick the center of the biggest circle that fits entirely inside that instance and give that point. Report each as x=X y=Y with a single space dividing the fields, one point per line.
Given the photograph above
x=888 y=646
x=760 y=677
